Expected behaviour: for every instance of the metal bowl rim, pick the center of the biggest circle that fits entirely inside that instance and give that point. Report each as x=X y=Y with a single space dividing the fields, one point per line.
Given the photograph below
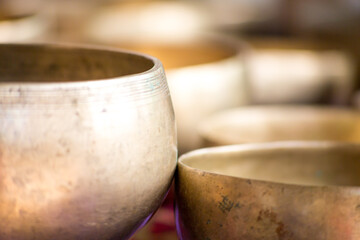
x=154 y=71
x=269 y=146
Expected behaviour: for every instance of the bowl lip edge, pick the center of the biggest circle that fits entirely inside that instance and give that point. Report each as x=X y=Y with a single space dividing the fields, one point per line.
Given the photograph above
x=154 y=70
x=207 y=128
x=268 y=146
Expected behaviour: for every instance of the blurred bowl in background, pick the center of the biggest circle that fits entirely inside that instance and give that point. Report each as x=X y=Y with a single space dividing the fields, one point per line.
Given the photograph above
x=298 y=71
x=170 y=21
x=204 y=76
x=298 y=191
x=71 y=17
x=320 y=17
x=11 y=8
x=153 y=21
x=235 y=14
x=87 y=142
x=280 y=123
x=21 y=28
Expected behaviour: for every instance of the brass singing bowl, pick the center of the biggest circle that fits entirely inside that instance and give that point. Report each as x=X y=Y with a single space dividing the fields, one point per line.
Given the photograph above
x=87 y=142
x=280 y=123
x=270 y=191
x=204 y=76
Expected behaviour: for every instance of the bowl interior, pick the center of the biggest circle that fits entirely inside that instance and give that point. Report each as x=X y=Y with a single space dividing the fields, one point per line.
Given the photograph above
x=297 y=163
x=260 y=124
x=46 y=63
x=186 y=54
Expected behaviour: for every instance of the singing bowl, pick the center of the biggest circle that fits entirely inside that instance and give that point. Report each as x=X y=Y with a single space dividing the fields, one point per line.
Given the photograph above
x=87 y=142
x=299 y=71
x=170 y=21
x=270 y=191
x=240 y=14
x=156 y=21
x=19 y=28
x=9 y=8
x=204 y=77
x=280 y=123
x=71 y=18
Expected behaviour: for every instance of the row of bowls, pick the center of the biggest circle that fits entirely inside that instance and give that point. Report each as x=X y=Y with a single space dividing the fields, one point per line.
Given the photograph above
x=70 y=170
x=209 y=73
x=215 y=73
x=88 y=151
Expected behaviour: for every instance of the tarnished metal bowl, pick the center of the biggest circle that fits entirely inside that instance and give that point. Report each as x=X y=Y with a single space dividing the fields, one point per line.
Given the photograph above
x=87 y=142
x=280 y=123
x=205 y=76
x=270 y=191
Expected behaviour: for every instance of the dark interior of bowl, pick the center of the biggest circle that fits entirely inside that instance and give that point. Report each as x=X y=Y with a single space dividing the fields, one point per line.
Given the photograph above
x=188 y=54
x=47 y=63
x=312 y=165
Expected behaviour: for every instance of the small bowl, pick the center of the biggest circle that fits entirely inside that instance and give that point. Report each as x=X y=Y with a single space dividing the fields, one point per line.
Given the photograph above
x=280 y=123
x=171 y=21
x=268 y=191
x=153 y=21
x=285 y=70
x=20 y=28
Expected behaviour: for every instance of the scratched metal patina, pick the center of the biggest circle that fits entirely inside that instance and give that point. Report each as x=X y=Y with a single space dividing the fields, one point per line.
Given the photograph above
x=270 y=191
